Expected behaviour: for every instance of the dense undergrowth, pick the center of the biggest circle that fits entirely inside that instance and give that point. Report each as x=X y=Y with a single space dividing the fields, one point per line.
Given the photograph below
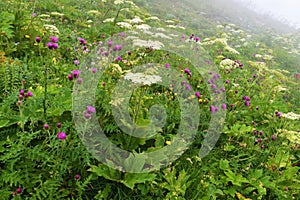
x=45 y=43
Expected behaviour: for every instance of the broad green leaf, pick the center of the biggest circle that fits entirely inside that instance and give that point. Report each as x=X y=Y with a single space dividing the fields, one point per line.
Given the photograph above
x=131 y=179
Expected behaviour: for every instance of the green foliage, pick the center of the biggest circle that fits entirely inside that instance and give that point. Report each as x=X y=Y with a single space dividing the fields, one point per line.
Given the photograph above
x=256 y=156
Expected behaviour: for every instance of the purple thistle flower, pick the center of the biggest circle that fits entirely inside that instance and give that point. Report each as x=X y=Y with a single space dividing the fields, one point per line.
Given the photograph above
x=77 y=177
x=188 y=87
x=110 y=43
x=53 y=39
x=79 y=80
x=257 y=108
x=119 y=58
x=58 y=125
x=216 y=76
x=278 y=114
x=187 y=71
x=167 y=65
x=246 y=98
x=197 y=94
x=75 y=73
x=118 y=47
x=247 y=103
x=50 y=45
x=87 y=115
x=197 y=39
x=227 y=81
x=94 y=70
x=212 y=109
x=274 y=137
x=258 y=140
x=76 y=62
x=70 y=77
x=29 y=93
x=213 y=86
x=91 y=109
x=19 y=190
x=55 y=46
x=261 y=132
x=38 y=39
x=61 y=135
x=81 y=41
x=224 y=106
x=46 y=126
x=22 y=92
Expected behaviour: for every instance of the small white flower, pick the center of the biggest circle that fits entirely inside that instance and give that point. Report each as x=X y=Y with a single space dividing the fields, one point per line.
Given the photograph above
x=143 y=26
x=109 y=20
x=153 y=18
x=124 y=25
x=119 y=2
x=93 y=12
x=136 y=20
x=57 y=14
x=51 y=28
x=162 y=35
x=170 y=22
x=231 y=50
x=291 y=115
x=149 y=43
x=143 y=79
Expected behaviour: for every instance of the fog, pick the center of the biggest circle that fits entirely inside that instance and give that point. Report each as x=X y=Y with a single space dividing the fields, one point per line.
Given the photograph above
x=285 y=10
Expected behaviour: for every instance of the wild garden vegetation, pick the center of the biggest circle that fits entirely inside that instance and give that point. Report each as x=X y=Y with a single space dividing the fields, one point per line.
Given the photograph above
x=50 y=51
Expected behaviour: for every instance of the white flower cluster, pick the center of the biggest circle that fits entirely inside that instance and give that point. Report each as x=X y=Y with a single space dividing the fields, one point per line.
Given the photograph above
x=162 y=35
x=279 y=88
x=57 y=14
x=208 y=41
x=136 y=20
x=148 y=43
x=118 y=2
x=292 y=136
x=227 y=64
x=93 y=12
x=124 y=25
x=231 y=50
x=117 y=102
x=51 y=28
x=109 y=20
x=44 y=16
x=291 y=115
x=153 y=18
x=267 y=57
x=143 y=27
x=143 y=79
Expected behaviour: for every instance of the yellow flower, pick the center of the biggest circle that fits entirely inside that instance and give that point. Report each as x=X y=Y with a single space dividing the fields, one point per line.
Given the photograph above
x=54 y=60
x=27 y=36
x=168 y=142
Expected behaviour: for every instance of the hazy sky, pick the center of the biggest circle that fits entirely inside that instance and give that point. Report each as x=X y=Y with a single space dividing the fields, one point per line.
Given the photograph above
x=289 y=9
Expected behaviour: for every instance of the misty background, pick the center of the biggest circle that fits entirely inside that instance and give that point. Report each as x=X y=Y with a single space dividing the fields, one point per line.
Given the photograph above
x=287 y=11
